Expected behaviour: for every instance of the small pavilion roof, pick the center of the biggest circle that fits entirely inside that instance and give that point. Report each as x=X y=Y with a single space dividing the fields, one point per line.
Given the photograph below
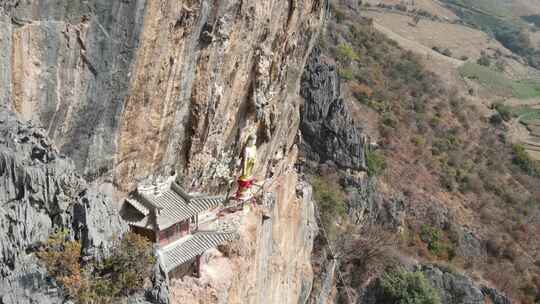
x=171 y=203
x=186 y=249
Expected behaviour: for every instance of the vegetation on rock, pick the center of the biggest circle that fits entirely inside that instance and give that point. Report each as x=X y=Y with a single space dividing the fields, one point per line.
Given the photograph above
x=454 y=165
x=331 y=203
x=375 y=162
x=406 y=287
x=120 y=274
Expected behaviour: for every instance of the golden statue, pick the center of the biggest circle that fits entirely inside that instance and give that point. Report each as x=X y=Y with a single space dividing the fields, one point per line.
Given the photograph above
x=246 y=179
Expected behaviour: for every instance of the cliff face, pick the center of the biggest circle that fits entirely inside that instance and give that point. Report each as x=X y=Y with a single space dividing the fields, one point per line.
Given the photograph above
x=131 y=88
x=66 y=66
x=271 y=261
x=41 y=193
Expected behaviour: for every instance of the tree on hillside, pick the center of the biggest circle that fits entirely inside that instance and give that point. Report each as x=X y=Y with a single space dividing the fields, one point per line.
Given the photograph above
x=120 y=274
x=406 y=287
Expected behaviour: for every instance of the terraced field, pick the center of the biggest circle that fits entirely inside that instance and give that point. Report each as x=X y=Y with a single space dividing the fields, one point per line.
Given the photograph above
x=498 y=83
x=531 y=141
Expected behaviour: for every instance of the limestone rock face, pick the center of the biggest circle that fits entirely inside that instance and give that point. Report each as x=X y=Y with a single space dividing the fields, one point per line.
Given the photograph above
x=455 y=288
x=66 y=65
x=329 y=132
x=41 y=193
x=270 y=263
x=128 y=88
x=131 y=88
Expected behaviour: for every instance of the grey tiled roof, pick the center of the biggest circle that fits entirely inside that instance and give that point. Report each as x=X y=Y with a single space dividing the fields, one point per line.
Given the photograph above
x=140 y=207
x=183 y=251
x=174 y=204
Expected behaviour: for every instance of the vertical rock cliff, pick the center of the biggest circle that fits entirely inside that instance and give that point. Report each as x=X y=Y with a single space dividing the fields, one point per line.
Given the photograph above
x=131 y=88
x=40 y=192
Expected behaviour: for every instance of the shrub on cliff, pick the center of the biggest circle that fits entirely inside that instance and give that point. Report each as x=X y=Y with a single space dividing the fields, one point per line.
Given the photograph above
x=61 y=258
x=406 y=287
x=129 y=264
x=331 y=203
x=346 y=53
x=120 y=274
x=375 y=163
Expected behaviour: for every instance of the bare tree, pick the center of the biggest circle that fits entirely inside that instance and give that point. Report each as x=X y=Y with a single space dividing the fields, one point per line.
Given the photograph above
x=365 y=252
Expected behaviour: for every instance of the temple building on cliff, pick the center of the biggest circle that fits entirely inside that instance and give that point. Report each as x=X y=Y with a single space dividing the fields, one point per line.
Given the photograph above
x=182 y=225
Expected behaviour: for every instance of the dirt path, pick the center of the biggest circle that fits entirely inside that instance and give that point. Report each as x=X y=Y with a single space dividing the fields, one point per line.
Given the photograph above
x=514 y=102
x=516 y=131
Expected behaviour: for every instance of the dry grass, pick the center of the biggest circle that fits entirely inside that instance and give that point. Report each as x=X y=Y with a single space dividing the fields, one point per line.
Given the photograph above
x=440 y=151
x=461 y=40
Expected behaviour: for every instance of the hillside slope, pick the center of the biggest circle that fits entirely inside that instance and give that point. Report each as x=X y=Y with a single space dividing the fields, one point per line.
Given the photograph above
x=444 y=181
x=128 y=89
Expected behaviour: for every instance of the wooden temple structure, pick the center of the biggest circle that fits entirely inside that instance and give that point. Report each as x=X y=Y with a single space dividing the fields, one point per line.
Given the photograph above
x=171 y=218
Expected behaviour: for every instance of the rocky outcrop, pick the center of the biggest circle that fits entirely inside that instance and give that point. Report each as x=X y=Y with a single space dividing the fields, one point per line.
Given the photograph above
x=453 y=288
x=41 y=193
x=325 y=279
x=495 y=296
x=159 y=293
x=366 y=201
x=329 y=133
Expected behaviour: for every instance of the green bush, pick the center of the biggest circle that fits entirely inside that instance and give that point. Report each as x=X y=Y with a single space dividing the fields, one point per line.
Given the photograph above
x=484 y=60
x=338 y=14
x=346 y=53
x=389 y=120
x=418 y=140
x=504 y=111
x=496 y=119
x=345 y=73
x=524 y=161
x=406 y=287
x=118 y=275
x=330 y=199
x=432 y=237
x=375 y=163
